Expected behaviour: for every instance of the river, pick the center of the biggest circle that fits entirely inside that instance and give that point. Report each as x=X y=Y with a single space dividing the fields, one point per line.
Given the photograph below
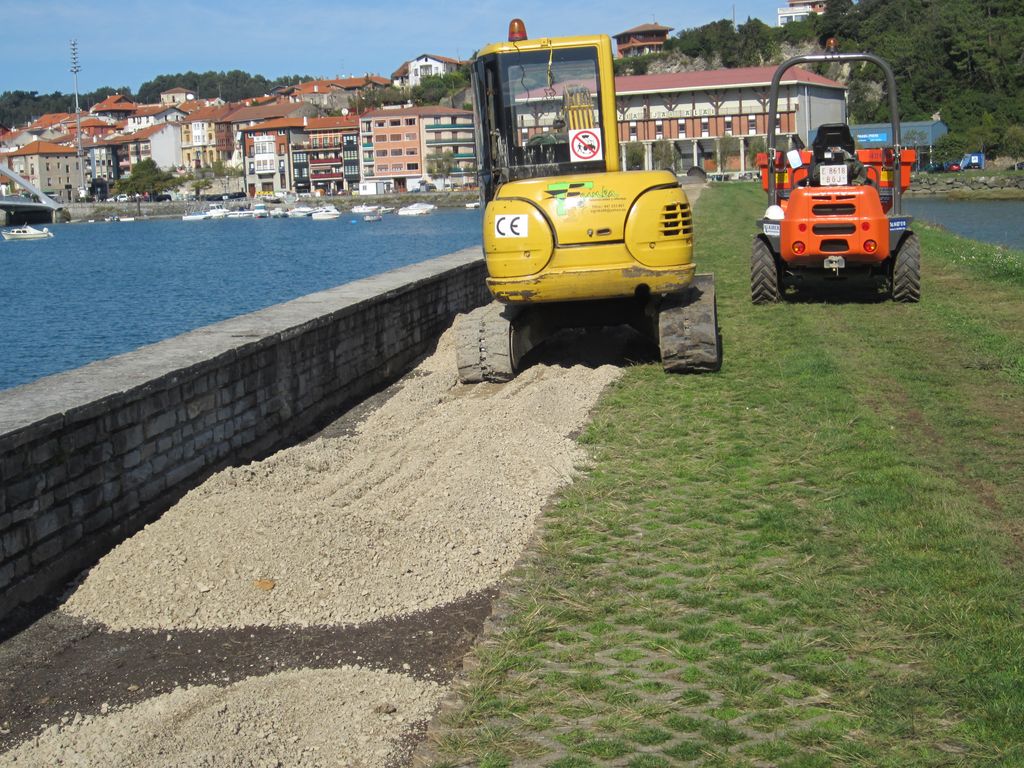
x=95 y=290
x=991 y=221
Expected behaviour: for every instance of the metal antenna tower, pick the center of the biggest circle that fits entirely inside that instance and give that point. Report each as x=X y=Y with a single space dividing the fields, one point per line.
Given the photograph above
x=75 y=69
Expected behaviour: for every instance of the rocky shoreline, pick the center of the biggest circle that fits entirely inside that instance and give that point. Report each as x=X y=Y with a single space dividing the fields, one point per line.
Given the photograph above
x=1008 y=185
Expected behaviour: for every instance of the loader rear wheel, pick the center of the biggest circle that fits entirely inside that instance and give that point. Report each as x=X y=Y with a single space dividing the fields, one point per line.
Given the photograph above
x=906 y=271
x=688 y=329
x=764 y=274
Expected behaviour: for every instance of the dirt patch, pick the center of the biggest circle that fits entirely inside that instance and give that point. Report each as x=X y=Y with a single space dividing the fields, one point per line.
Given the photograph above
x=432 y=497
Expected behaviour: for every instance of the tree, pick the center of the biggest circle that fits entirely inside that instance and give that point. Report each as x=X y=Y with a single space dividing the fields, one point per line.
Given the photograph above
x=728 y=146
x=663 y=155
x=441 y=165
x=147 y=178
x=1013 y=141
x=634 y=156
x=949 y=148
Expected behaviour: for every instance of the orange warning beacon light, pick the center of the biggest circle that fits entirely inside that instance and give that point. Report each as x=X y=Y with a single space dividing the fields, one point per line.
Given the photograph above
x=516 y=30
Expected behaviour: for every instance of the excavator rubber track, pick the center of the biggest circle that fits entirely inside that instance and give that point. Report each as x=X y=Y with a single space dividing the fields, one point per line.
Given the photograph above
x=688 y=329
x=483 y=340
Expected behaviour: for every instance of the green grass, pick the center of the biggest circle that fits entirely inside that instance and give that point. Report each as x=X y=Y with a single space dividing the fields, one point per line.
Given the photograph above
x=811 y=558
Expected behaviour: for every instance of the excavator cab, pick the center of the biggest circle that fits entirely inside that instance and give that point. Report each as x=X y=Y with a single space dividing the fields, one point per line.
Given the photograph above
x=569 y=239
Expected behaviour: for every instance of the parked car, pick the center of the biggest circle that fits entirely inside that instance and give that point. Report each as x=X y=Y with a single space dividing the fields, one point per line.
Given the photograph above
x=165 y=198
x=953 y=167
x=122 y=198
x=1019 y=166
x=934 y=168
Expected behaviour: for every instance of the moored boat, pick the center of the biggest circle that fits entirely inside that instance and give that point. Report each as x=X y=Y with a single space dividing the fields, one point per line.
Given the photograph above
x=416 y=209
x=372 y=217
x=364 y=208
x=27 y=232
x=299 y=211
x=326 y=212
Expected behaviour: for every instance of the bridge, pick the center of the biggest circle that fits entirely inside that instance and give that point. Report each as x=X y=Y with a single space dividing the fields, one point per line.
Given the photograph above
x=32 y=206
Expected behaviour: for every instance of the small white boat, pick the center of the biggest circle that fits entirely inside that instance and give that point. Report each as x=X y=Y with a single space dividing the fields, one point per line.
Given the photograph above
x=416 y=209
x=278 y=213
x=364 y=208
x=474 y=204
x=372 y=217
x=260 y=211
x=325 y=212
x=218 y=212
x=26 y=232
x=241 y=213
x=196 y=216
x=385 y=209
x=300 y=211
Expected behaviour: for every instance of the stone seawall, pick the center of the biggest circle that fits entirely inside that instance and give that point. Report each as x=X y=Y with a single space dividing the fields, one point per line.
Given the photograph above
x=945 y=183
x=89 y=456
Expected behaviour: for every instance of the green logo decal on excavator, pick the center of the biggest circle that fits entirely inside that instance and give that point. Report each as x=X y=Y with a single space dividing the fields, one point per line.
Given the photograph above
x=563 y=191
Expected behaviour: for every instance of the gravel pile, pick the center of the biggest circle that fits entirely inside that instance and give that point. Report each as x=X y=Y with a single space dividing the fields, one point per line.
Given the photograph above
x=432 y=498
x=339 y=717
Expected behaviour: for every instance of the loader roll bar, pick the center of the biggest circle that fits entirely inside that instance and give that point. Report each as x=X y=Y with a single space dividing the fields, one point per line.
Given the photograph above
x=826 y=58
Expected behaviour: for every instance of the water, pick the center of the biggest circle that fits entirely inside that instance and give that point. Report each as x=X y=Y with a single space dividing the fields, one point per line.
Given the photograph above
x=991 y=221
x=96 y=290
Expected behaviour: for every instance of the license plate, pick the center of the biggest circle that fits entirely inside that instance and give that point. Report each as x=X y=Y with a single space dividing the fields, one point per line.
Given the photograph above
x=833 y=175
x=835 y=262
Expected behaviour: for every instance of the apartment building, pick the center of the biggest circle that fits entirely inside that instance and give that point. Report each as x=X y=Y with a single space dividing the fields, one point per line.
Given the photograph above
x=404 y=146
x=331 y=151
x=698 y=110
x=268 y=165
x=160 y=143
x=207 y=137
x=53 y=168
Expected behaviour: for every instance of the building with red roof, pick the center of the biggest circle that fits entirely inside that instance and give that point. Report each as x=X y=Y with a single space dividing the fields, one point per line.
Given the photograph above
x=115 y=106
x=698 y=110
x=56 y=169
x=412 y=72
x=647 y=38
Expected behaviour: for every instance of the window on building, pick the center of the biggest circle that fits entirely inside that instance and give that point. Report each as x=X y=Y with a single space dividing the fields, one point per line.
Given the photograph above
x=380 y=137
x=728 y=125
x=379 y=123
x=410 y=137
x=396 y=153
x=394 y=122
x=632 y=130
x=659 y=129
x=682 y=128
x=410 y=151
x=382 y=153
x=395 y=137
x=413 y=166
x=705 y=129
x=410 y=121
x=751 y=124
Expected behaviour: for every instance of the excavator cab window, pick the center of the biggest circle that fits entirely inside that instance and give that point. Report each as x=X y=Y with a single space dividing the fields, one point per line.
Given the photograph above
x=530 y=104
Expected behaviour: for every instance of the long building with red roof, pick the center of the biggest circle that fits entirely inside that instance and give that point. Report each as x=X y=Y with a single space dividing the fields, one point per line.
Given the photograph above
x=697 y=110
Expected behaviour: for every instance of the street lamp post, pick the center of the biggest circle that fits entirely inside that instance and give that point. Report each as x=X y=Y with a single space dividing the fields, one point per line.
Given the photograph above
x=75 y=69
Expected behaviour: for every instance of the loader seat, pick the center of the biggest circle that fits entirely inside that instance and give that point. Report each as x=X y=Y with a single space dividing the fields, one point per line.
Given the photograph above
x=833 y=144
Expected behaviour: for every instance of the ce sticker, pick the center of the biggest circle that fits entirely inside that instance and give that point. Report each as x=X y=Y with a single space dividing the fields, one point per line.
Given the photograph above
x=512 y=225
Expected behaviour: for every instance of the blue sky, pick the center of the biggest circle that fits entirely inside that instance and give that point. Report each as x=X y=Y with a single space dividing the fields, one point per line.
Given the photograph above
x=132 y=41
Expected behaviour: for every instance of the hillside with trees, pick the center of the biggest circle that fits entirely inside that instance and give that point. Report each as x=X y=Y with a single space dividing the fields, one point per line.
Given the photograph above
x=960 y=59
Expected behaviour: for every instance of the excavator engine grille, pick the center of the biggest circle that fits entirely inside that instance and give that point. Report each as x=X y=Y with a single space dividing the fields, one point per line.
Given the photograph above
x=676 y=220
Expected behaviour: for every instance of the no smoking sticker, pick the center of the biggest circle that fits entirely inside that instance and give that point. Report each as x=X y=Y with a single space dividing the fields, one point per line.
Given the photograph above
x=585 y=144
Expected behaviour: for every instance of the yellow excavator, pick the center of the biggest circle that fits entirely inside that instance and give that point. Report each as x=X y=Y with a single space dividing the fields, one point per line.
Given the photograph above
x=571 y=240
